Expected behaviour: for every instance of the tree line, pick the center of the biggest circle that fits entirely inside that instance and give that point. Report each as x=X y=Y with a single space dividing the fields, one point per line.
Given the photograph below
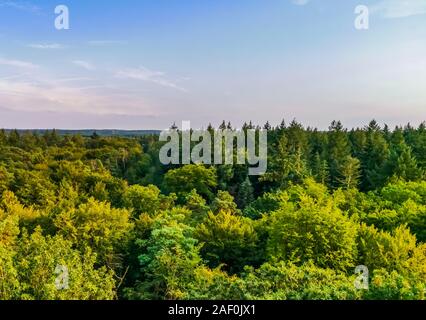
x=127 y=227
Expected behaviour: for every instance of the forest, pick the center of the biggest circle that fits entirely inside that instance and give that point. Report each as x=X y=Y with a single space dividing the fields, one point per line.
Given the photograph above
x=126 y=227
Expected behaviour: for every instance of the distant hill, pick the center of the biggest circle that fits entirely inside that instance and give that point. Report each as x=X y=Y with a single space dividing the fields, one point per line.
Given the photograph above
x=89 y=132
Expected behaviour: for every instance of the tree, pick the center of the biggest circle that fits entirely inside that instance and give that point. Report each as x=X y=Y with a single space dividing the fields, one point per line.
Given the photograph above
x=222 y=125
x=338 y=151
x=267 y=126
x=9 y=231
x=320 y=169
x=224 y=202
x=406 y=166
x=396 y=251
x=33 y=188
x=146 y=200
x=312 y=228
x=374 y=158
x=6 y=179
x=286 y=167
x=183 y=180
x=287 y=281
x=245 y=194
x=394 y=286
x=98 y=227
x=9 y=282
x=27 y=217
x=349 y=173
x=37 y=262
x=227 y=239
x=168 y=261
x=14 y=138
x=418 y=144
x=198 y=207
x=105 y=211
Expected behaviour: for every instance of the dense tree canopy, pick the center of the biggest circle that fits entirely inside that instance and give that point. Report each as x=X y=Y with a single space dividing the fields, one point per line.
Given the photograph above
x=101 y=218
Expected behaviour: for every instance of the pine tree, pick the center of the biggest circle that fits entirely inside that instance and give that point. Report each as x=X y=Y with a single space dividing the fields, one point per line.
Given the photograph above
x=320 y=169
x=297 y=138
x=267 y=126
x=406 y=166
x=418 y=144
x=286 y=167
x=374 y=158
x=3 y=136
x=245 y=194
x=338 y=151
x=13 y=138
x=387 y=133
x=358 y=139
x=350 y=173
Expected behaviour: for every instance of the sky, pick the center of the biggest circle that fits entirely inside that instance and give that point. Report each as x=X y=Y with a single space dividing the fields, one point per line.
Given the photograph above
x=144 y=64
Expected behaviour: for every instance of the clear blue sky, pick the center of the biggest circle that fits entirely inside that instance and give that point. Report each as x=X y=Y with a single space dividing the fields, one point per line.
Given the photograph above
x=143 y=64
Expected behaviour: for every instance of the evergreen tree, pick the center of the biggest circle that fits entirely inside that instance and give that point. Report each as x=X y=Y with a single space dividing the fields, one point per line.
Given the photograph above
x=406 y=166
x=3 y=137
x=374 y=158
x=350 y=173
x=418 y=144
x=13 y=138
x=267 y=126
x=286 y=167
x=245 y=194
x=338 y=151
x=401 y=162
x=320 y=169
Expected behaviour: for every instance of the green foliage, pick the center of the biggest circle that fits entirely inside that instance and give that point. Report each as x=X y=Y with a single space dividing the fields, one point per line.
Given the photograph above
x=227 y=239
x=245 y=194
x=396 y=251
x=168 y=260
x=374 y=157
x=282 y=281
x=393 y=286
x=288 y=166
x=37 y=260
x=349 y=173
x=9 y=282
x=197 y=205
x=146 y=200
x=183 y=180
x=338 y=151
x=96 y=226
x=127 y=227
x=399 y=203
x=274 y=281
x=224 y=202
x=312 y=228
x=5 y=179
